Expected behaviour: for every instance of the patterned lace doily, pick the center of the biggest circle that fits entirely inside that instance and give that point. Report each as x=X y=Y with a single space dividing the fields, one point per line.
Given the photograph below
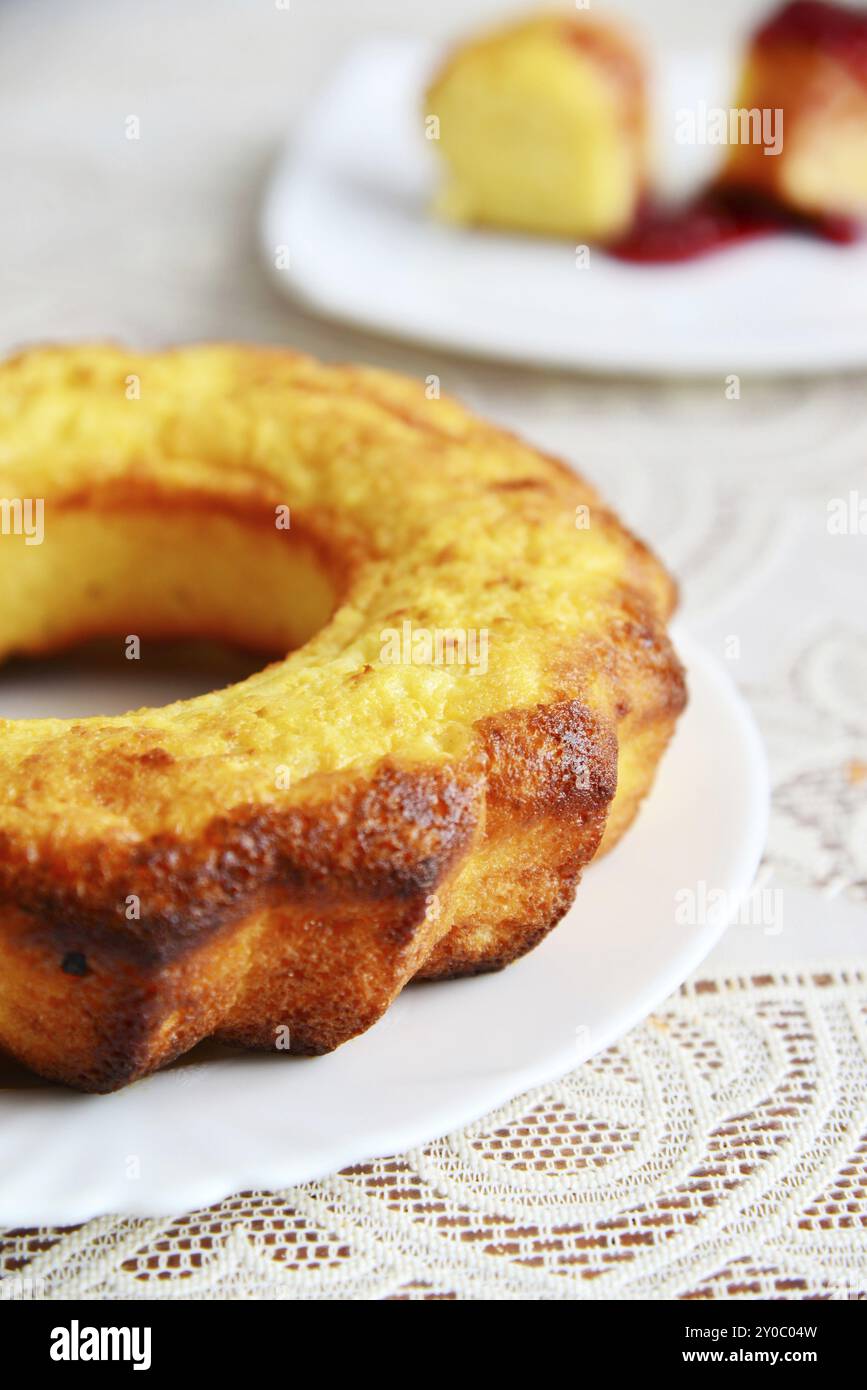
x=718 y=1150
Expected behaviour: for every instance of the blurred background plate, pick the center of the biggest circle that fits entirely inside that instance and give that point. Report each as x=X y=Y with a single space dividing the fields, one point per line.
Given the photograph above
x=347 y=230
x=222 y=1121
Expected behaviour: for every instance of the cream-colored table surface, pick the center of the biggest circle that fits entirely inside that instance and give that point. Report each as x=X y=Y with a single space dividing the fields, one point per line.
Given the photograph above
x=721 y=1149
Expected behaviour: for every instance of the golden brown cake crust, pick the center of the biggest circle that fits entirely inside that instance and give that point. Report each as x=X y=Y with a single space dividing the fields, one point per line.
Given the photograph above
x=433 y=820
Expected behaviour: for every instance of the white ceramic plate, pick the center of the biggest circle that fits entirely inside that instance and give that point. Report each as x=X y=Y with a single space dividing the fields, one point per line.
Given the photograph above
x=349 y=205
x=221 y=1121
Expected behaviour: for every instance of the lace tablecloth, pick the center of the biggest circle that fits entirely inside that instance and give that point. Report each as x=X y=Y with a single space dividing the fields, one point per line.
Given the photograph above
x=720 y=1150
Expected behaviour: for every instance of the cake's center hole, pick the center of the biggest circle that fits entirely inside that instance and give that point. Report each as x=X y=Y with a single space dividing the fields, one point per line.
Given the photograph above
x=121 y=608
x=100 y=677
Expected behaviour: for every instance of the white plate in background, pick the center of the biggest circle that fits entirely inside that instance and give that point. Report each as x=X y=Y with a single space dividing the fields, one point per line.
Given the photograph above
x=222 y=1121
x=349 y=205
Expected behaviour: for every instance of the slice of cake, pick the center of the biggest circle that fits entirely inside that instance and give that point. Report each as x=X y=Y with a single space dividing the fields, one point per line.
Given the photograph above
x=542 y=127
x=808 y=61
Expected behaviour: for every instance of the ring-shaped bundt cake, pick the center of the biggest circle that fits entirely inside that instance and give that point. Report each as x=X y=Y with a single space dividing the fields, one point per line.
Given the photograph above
x=478 y=689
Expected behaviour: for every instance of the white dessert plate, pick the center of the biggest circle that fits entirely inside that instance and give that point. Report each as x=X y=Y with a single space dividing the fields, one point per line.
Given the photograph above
x=222 y=1121
x=346 y=229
